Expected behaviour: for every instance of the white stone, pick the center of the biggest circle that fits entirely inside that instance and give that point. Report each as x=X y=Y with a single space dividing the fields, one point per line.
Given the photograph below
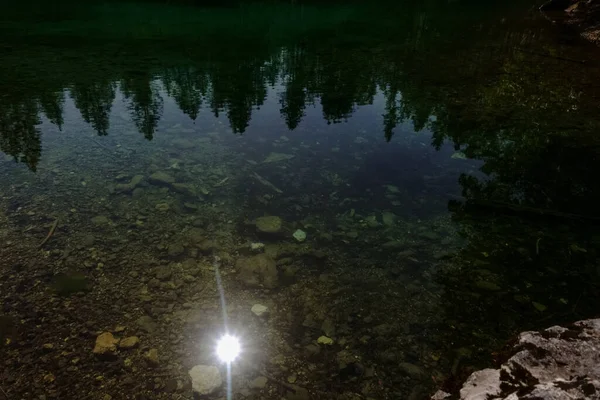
x=206 y=379
x=259 y=310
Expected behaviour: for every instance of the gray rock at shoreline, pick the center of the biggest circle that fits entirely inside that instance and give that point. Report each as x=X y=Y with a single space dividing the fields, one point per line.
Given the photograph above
x=556 y=363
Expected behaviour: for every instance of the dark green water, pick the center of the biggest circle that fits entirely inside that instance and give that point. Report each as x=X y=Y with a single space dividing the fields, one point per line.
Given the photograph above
x=440 y=157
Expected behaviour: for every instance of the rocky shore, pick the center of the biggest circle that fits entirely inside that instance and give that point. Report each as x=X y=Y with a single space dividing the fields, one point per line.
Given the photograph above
x=556 y=363
x=583 y=16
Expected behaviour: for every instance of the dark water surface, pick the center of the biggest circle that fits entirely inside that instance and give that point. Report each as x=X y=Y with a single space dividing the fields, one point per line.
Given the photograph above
x=441 y=159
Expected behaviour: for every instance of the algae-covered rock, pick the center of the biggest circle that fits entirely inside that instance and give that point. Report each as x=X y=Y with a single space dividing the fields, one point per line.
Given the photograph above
x=299 y=235
x=269 y=224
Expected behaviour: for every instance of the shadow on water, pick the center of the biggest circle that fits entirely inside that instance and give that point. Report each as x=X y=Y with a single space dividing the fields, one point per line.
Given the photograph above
x=445 y=156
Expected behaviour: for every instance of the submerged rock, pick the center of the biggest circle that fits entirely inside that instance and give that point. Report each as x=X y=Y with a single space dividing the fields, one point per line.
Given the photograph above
x=258 y=270
x=106 y=345
x=258 y=383
x=299 y=235
x=206 y=379
x=147 y=324
x=269 y=224
x=259 y=310
x=186 y=189
x=276 y=157
x=163 y=273
x=325 y=340
x=129 y=187
x=100 y=220
x=389 y=218
x=152 y=358
x=556 y=363
x=161 y=179
x=129 y=342
x=257 y=247
x=412 y=370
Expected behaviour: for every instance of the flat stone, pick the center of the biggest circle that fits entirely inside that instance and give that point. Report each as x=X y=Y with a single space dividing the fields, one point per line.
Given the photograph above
x=206 y=379
x=151 y=358
x=147 y=324
x=163 y=273
x=486 y=286
x=412 y=370
x=259 y=270
x=328 y=327
x=276 y=157
x=325 y=340
x=129 y=187
x=162 y=207
x=480 y=384
x=257 y=247
x=259 y=310
x=299 y=235
x=176 y=249
x=161 y=179
x=100 y=220
x=106 y=345
x=185 y=189
x=259 y=382
x=269 y=224
x=389 y=218
x=129 y=342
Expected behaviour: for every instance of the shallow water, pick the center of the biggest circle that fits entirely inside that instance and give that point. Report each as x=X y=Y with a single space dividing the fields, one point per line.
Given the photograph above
x=439 y=158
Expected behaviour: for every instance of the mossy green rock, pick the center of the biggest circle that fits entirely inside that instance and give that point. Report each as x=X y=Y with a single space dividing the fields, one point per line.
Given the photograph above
x=269 y=224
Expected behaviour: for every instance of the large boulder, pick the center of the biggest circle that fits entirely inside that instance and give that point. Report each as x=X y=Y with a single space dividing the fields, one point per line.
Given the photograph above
x=556 y=363
x=258 y=270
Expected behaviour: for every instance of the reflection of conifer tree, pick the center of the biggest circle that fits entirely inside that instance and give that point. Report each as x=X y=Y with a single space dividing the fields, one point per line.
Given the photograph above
x=52 y=105
x=94 y=101
x=187 y=86
x=239 y=90
x=146 y=103
x=293 y=103
x=293 y=100
x=348 y=80
x=391 y=119
x=19 y=136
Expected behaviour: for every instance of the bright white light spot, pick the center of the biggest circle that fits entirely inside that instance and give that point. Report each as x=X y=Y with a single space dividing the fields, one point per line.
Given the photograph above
x=228 y=348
